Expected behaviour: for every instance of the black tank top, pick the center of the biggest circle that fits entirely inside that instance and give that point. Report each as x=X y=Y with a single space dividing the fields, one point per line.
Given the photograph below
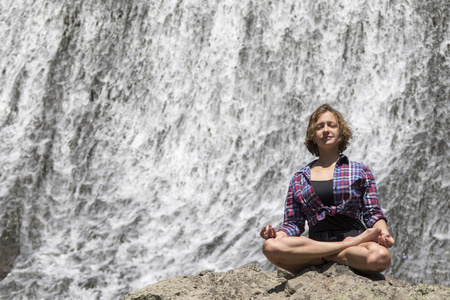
x=338 y=222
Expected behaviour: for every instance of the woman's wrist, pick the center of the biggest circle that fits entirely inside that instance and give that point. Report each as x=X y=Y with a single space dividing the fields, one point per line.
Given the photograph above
x=281 y=234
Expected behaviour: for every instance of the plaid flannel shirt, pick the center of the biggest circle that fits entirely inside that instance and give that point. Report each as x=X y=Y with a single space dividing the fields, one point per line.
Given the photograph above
x=355 y=195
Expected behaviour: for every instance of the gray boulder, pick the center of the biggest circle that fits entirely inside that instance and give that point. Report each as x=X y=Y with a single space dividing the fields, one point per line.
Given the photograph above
x=329 y=281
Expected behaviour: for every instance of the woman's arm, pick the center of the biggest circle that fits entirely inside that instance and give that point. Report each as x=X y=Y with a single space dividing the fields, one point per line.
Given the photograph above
x=371 y=207
x=294 y=220
x=373 y=216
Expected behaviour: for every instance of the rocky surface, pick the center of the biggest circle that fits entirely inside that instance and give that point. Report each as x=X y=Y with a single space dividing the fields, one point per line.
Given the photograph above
x=329 y=281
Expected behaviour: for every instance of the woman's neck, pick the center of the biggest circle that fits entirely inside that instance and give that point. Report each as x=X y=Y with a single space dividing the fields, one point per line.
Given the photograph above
x=327 y=159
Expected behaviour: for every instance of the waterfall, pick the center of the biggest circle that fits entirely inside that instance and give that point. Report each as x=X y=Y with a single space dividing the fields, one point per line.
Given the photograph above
x=141 y=140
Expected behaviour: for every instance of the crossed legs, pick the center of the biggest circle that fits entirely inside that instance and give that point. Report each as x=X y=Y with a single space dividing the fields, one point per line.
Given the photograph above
x=361 y=252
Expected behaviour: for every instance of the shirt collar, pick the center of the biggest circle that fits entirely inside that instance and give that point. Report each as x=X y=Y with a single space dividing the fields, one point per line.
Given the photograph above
x=342 y=160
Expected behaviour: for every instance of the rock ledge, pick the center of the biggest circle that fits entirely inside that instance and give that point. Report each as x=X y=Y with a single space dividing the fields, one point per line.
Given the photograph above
x=329 y=281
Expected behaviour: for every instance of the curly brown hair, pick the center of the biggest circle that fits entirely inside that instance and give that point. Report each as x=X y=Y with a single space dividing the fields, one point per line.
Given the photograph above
x=345 y=133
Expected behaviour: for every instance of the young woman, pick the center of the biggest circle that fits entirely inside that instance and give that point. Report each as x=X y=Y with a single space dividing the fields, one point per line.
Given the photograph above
x=333 y=195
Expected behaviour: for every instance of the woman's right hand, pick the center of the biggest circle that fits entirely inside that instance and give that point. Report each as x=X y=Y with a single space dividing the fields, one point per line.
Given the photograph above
x=268 y=232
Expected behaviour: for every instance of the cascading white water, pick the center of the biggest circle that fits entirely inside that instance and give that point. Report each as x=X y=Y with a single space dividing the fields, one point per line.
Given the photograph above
x=146 y=139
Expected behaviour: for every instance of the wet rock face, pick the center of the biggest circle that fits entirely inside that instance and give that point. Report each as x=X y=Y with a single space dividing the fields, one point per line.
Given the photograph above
x=9 y=242
x=329 y=281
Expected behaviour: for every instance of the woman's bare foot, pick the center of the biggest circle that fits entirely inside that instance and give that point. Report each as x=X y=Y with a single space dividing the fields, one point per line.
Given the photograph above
x=369 y=235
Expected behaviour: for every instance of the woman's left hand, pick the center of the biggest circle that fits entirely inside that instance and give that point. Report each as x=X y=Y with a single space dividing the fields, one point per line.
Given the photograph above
x=386 y=240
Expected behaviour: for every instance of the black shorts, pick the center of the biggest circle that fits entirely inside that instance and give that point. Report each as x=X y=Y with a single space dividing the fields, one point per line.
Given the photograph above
x=334 y=236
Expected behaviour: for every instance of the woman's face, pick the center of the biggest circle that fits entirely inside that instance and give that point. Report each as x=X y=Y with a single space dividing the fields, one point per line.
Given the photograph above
x=327 y=131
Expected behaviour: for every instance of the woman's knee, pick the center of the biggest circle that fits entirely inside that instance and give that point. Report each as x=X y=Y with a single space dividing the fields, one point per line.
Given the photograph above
x=380 y=258
x=271 y=248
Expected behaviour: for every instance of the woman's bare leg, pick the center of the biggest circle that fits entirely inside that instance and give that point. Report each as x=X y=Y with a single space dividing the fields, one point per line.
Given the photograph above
x=295 y=253
x=368 y=258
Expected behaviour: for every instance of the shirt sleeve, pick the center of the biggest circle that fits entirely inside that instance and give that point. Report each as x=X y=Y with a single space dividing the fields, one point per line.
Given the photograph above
x=294 y=219
x=371 y=208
